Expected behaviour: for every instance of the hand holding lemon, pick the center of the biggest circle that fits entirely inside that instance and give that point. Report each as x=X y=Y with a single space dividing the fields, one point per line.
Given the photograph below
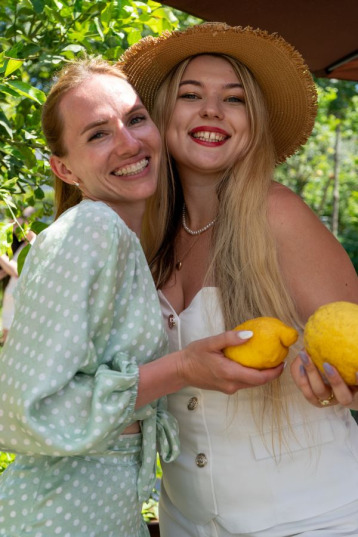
x=268 y=346
x=331 y=335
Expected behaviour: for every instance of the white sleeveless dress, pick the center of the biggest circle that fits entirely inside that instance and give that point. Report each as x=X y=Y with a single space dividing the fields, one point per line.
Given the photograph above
x=227 y=481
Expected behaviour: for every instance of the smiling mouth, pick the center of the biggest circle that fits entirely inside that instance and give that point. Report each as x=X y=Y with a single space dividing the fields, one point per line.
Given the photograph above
x=207 y=136
x=132 y=169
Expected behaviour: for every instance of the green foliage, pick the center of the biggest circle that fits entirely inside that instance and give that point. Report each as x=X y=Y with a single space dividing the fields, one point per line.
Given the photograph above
x=330 y=159
x=5 y=460
x=21 y=258
x=150 y=508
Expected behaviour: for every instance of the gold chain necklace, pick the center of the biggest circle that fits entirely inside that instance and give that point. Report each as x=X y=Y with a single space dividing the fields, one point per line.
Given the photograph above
x=179 y=263
x=197 y=233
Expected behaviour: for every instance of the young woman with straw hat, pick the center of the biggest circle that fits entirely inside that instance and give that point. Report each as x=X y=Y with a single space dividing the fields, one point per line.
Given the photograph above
x=226 y=243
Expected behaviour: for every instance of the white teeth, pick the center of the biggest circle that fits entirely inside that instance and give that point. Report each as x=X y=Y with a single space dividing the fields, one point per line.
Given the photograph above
x=209 y=136
x=132 y=169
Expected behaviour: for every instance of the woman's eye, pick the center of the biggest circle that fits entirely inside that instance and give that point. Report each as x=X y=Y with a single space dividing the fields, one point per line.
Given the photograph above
x=137 y=119
x=188 y=96
x=235 y=99
x=96 y=136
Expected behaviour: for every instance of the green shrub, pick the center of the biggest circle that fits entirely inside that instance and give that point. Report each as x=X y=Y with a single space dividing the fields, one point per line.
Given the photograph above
x=5 y=460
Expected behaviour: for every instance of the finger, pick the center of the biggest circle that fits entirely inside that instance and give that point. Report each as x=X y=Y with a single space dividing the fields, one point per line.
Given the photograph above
x=252 y=377
x=227 y=339
x=319 y=385
x=238 y=337
x=301 y=380
x=268 y=375
x=343 y=393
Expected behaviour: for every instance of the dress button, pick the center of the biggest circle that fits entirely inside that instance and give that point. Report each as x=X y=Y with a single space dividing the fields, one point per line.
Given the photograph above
x=171 y=321
x=193 y=403
x=201 y=460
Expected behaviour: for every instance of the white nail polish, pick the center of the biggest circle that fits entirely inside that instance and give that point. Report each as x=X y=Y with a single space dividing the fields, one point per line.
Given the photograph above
x=245 y=334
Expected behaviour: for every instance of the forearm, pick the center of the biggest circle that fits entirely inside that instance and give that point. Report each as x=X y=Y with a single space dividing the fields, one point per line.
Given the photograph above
x=8 y=265
x=201 y=364
x=159 y=378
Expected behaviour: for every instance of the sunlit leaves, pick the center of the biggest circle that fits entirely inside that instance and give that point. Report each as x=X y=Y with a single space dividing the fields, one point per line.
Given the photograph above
x=24 y=89
x=5 y=237
x=5 y=460
x=11 y=66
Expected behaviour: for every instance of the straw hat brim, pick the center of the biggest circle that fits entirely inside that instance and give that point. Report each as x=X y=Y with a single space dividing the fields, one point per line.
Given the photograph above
x=280 y=70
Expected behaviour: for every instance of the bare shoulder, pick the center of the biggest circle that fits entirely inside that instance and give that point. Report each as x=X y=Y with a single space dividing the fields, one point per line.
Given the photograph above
x=314 y=264
x=287 y=212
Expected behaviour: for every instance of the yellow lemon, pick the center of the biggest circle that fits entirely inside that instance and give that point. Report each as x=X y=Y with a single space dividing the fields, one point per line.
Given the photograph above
x=331 y=335
x=269 y=345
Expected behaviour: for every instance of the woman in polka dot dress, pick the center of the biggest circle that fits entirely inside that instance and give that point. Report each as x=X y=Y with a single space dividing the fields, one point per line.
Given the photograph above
x=81 y=371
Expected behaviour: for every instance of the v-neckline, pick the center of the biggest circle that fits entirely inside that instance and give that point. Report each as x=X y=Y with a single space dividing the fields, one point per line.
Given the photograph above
x=194 y=299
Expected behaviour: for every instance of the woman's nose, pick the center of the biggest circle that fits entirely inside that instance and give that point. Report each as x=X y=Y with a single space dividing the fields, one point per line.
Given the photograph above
x=211 y=107
x=127 y=144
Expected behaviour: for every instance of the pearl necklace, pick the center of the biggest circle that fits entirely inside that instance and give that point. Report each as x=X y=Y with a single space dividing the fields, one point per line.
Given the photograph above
x=198 y=231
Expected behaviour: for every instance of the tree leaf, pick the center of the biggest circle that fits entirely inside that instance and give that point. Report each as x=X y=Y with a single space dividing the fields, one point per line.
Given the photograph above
x=22 y=258
x=38 y=5
x=23 y=88
x=38 y=226
x=12 y=66
x=5 y=88
x=5 y=237
x=39 y=193
x=7 y=128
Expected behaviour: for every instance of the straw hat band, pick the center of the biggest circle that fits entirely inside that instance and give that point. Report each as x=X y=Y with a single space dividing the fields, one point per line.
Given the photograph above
x=278 y=68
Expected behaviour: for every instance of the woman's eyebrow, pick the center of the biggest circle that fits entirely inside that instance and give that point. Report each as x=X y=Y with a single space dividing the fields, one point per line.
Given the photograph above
x=230 y=85
x=233 y=85
x=191 y=82
x=96 y=123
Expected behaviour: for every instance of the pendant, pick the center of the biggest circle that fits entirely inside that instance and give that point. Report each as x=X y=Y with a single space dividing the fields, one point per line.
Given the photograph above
x=178 y=265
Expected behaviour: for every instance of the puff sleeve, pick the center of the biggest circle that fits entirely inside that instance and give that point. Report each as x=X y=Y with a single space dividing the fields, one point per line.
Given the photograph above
x=68 y=373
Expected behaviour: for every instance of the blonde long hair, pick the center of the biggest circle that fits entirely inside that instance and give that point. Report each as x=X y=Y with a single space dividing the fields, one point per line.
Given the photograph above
x=244 y=264
x=70 y=77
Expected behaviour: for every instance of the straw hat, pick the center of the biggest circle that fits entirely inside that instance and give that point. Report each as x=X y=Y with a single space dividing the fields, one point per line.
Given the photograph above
x=279 y=69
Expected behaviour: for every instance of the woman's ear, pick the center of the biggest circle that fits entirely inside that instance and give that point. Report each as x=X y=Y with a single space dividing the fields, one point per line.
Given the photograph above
x=60 y=169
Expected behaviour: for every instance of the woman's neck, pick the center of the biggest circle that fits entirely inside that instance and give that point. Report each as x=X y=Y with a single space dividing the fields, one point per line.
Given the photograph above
x=201 y=203
x=130 y=212
x=132 y=215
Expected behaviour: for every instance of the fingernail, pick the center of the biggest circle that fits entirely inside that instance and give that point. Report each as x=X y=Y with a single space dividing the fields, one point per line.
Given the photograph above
x=304 y=358
x=328 y=369
x=284 y=364
x=245 y=334
x=302 y=371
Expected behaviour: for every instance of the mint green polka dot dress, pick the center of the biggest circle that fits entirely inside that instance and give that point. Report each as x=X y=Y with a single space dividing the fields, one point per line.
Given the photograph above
x=87 y=315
